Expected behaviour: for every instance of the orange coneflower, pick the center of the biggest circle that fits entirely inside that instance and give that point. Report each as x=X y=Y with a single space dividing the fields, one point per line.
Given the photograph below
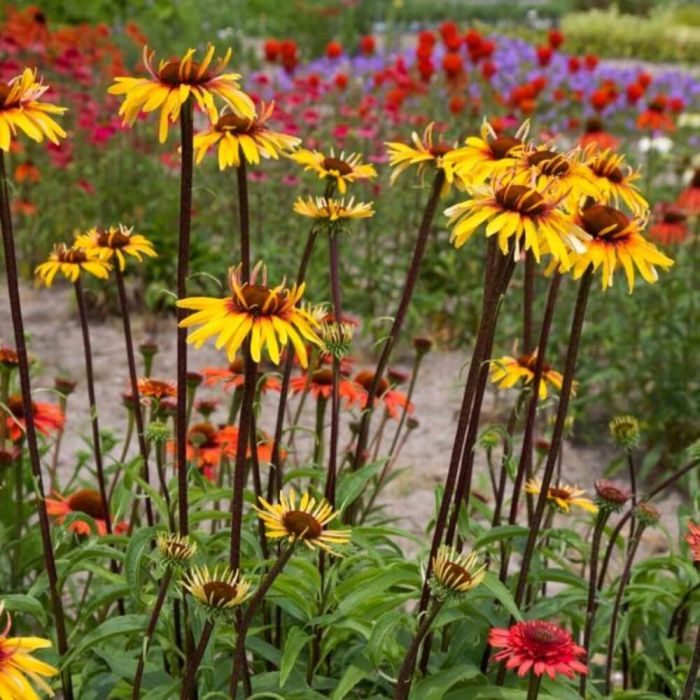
x=116 y=242
x=48 y=418
x=689 y=199
x=654 y=117
x=86 y=502
x=596 y=135
x=233 y=377
x=169 y=87
x=692 y=537
x=341 y=168
x=27 y=172
x=156 y=389
x=671 y=225
x=563 y=496
x=9 y=359
x=394 y=401
x=537 y=646
x=70 y=262
x=507 y=371
x=27 y=27
x=614 y=180
x=320 y=385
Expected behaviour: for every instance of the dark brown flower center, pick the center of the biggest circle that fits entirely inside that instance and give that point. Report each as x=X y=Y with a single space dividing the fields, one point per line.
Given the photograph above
x=609 y=491
x=8 y=357
x=301 y=524
x=4 y=93
x=530 y=361
x=322 y=376
x=232 y=122
x=608 y=170
x=14 y=403
x=236 y=367
x=674 y=216
x=172 y=73
x=545 y=635
x=440 y=149
x=502 y=146
x=594 y=125
x=156 y=388
x=255 y=297
x=557 y=492
x=695 y=182
x=219 y=593
x=365 y=379
x=456 y=574
x=550 y=163
x=87 y=501
x=657 y=106
x=338 y=165
x=112 y=239
x=74 y=257
x=521 y=199
x=202 y=435
x=600 y=220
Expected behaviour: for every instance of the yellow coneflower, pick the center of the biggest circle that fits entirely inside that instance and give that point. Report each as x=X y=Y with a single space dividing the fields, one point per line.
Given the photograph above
x=116 y=242
x=487 y=155
x=169 y=87
x=16 y=662
x=614 y=179
x=343 y=169
x=270 y=315
x=333 y=209
x=455 y=573
x=70 y=262
x=307 y=522
x=563 y=496
x=218 y=590
x=507 y=371
x=247 y=135
x=616 y=240
x=529 y=216
x=424 y=153
x=175 y=549
x=20 y=108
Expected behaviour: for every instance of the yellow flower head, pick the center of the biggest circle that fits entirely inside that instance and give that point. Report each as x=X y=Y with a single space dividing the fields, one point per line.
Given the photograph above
x=116 y=242
x=487 y=155
x=218 y=590
x=16 y=662
x=306 y=521
x=616 y=240
x=614 y=180
x=249 y=136
x=507 y=371
x=70 y=262
x=454 y=572
x=563 y=496
x=20 y=107
x=169 y=87
x=333 y=210
x=341 y=168
x=530 y=216
x=424 y=153
x=269 y=315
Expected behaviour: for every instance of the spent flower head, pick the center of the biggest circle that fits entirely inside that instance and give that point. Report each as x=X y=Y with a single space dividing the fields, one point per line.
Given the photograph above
x=611 y=496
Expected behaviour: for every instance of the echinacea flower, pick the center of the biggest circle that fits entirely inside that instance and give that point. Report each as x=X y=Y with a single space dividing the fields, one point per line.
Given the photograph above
x=269 y=315
x=16 y=663
x=394 y=401
x=616 y=240
x=9 y=359
x=614 y=179
x=21 y=108
x=487 y=155
x=625 y=431
x=563 y=496
x=233 y=377
x=530 y=217
x=539 y=646
x=670 y=226
x=175 y=549
x=333 y=211
x=340 y=168
x=507 y=371
x=689 y=199
x=116 y=242
x=320 y=385
x=70 y=262
x=169 y=87
x=611 y=496
x=219 y=590
x=596 y=136
x=156 y=389
x=423 y=153
x=306 y=521
x=85 y=502
x=247 y=137
x=692 y=537
x=48 y=418
x=455 y=573
x=207 y=445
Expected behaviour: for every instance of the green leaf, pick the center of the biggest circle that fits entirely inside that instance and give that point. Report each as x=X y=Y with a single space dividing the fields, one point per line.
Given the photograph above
x=18 y=602
x=352 y=484
x=436 y=685
x=501 y=593
x=296 y=639
x=502 y=532
x=138 y=549
x=352 y=676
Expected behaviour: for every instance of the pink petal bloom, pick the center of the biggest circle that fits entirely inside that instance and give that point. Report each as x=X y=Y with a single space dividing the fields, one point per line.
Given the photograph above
x=539 y=646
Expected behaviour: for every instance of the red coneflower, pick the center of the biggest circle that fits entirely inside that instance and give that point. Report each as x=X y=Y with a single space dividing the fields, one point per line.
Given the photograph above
x=671 y=225
x=48 y=418
x=654 y=117
x=85 y=501
x=538 y=646
x=689 y=199
x=156 y=389
x=692 y=537
x=594 y=132
x=320 y=384
x=394 y=401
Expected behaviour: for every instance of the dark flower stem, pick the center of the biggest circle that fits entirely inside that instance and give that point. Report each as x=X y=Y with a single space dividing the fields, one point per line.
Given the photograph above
x=186 y=167
x=409 y=286
x=138 y=412
x=96 y=445
x=162 y=592
x=263 y=588
x=591 y=605
x=692 y=671
x=32 y=446
x=614 y=619
x=196 y=660
x=257 y=481
x=334 y=261
x=404 y=681
x=633 y=486
x=558 y=432
x=528 y=300
x=244 y=217
x=533 y=688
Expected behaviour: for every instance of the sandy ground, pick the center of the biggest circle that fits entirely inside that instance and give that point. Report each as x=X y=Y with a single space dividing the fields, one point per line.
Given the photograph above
x=54 y=335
